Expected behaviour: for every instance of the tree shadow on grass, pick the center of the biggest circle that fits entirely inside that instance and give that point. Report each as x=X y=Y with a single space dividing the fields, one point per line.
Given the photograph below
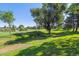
x=65 y=33
x=64 y=48
x=28 y=36
x=44 y=49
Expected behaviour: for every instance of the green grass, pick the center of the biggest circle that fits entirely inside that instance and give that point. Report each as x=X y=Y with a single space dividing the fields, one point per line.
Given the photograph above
x=59 y=43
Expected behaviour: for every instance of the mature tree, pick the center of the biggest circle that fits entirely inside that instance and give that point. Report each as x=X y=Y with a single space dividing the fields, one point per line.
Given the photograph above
x=73 y=12
x=48 y=15
x=8 y=17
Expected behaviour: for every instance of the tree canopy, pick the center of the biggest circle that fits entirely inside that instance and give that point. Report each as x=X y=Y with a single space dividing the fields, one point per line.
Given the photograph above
x=48 y=15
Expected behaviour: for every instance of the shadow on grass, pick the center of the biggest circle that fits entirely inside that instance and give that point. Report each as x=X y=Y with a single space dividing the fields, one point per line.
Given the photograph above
x=64 y=48
x=29 y=36
x=65 y=33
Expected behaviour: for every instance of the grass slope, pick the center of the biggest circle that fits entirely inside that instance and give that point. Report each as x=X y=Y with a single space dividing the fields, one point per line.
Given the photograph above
x=59 y=43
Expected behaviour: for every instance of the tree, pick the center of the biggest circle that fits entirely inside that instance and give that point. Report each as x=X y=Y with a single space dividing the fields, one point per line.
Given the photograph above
x=74 y=11
x=67 y=23
x=5 y=28
x=36 y=15
x=13 y=28
x=48 y=15
x=8 y=17
x=21 y=28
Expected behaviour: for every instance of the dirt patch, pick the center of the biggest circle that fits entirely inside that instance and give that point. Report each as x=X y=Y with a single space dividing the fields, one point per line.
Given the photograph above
x=13 y=47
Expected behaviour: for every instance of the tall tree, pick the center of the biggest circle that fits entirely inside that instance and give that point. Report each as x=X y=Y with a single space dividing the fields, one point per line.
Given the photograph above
x=48 y=15
x=74 y=11
x=8 y=17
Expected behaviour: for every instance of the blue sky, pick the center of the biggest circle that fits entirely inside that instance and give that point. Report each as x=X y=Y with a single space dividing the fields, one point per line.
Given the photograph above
x=21 y=12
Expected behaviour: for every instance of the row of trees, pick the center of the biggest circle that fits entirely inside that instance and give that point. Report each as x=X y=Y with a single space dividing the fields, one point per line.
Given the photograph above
x=72 y=21
x=51 y=15
x=14 y=28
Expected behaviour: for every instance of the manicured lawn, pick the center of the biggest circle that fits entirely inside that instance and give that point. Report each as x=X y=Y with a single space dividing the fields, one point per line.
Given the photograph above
x=59 y=43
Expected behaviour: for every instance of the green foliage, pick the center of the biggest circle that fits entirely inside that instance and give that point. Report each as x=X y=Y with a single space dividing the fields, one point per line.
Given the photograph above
x=21 y=28
x=48 y=15
x=74 y=8
x=7 y=17
x=73 y=12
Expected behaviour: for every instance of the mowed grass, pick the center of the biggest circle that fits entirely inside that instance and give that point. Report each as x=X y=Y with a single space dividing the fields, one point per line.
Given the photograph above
x=60 y=43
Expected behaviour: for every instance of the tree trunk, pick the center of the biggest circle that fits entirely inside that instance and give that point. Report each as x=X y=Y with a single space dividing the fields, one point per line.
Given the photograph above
x=49 y=32
x=10 y=29
x=37 y=30
x=48 y=29
x=76 y=28
x=73 y=26
x=73 y=29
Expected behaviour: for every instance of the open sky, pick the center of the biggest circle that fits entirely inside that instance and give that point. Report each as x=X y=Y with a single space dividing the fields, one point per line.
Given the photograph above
x=21 y=12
